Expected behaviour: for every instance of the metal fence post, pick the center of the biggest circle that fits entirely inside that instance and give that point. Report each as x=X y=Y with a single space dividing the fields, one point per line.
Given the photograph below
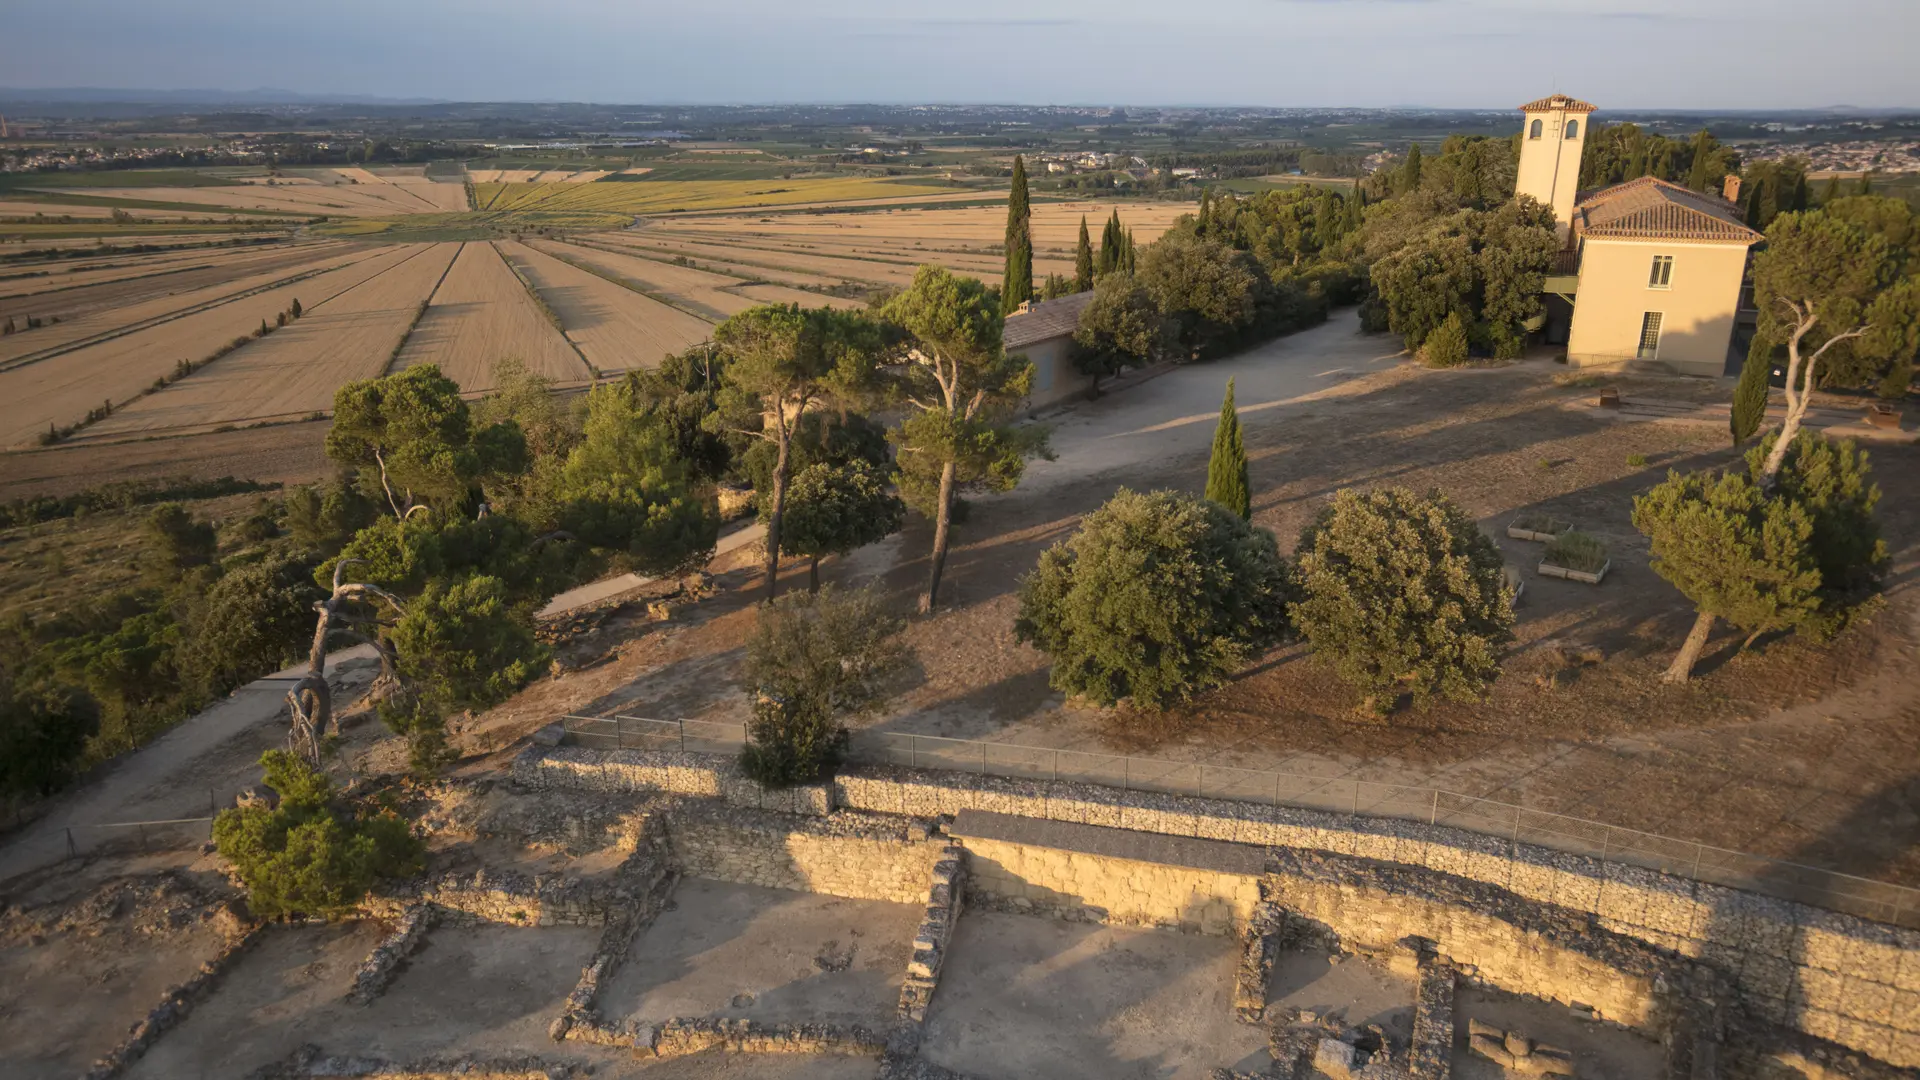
x=1356 y=798
x=1126 y=773
x=983 y=758
x=683 y=734
x=1697 y=849
x=1433 y=815
x=72 y=851
x=913 y=751
x=1056 y=766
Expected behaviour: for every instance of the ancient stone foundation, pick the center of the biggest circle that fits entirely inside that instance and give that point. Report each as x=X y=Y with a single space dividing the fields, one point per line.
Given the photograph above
x=178 y=1001
x=1849 y=983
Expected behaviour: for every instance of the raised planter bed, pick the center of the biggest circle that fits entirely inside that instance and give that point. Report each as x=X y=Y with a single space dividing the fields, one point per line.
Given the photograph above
x=1547 y=569
x=1587 y=556
x=1542 y=528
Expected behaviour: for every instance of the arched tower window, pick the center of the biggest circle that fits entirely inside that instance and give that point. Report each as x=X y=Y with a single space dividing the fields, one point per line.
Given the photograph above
x=1573 y=129
x=1534 y=131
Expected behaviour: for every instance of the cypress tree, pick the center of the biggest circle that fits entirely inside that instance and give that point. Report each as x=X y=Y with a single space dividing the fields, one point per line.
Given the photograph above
x=1800 y=192
x=1866 y=184
x=1832 y=192
x=1126 y=247
x=1206 y=211
x=1083 y=260
x=1016 y=286
x=1750 y=396
x=1410 y=173
x=1227 y=482
x=1109 y=245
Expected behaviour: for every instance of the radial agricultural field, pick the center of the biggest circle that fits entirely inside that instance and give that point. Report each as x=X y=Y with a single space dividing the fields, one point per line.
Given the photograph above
x=616 y=328
x=60 y=389
x=346 y=200
x=481 y=314
x=144 y=306
x=1055 y=226
x=172 y=275
x=702 y=292
x=352 y=321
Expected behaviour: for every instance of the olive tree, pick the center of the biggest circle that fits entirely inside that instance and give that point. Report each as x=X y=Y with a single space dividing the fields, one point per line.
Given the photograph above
x=1156 y=598
x=1404 y=594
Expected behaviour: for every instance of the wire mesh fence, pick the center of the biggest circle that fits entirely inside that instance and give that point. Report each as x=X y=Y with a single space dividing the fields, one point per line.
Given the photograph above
x=173 y=834
x=1882 y=901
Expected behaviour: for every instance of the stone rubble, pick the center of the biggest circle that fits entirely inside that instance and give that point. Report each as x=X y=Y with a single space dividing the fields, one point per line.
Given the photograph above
x=1431 y=1055
x=307 y=1063
x=1516 y=1053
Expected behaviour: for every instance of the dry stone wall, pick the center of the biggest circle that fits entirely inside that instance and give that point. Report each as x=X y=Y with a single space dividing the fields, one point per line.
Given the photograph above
x=1846 y=980
x=862 y=856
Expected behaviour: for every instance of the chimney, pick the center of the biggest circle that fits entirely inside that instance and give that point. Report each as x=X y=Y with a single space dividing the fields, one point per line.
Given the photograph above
x=1730 y=188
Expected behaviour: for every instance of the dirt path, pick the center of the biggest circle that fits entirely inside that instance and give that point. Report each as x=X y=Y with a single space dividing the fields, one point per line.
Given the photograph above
x=171 y=777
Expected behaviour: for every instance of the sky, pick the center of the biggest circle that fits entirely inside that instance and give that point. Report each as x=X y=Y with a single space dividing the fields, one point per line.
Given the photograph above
x=1625 y=54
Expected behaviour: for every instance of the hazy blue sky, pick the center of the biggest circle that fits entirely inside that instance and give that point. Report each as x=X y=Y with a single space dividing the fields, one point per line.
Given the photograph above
x=1618 y=53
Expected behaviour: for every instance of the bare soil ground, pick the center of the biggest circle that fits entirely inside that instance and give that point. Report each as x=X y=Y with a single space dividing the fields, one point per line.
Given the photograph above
x=727 y=950
x=480 y=315
x=1026 y=996
x=72 y=977
x=1356 y=990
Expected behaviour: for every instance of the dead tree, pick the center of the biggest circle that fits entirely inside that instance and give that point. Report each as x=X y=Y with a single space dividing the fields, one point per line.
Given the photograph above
x=310 y=701
x=1799 y=383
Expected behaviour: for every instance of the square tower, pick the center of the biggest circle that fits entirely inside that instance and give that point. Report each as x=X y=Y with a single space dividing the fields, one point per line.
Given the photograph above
x=1555 y=130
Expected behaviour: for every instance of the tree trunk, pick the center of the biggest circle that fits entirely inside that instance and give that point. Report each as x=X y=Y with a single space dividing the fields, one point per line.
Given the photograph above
x=813 y=575
x=942 y=520
x=1682 y=667
x=776 y=508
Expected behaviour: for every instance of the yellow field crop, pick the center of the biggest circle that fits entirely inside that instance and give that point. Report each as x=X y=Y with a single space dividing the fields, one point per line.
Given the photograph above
x=667 y=196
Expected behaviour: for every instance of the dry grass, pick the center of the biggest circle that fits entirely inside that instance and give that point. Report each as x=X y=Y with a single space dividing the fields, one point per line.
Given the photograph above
x=354 y=318
x=614 y=326
x=61 y=389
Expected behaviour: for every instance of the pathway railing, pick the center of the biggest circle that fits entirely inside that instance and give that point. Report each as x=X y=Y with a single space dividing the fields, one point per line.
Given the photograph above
x=1831 y=889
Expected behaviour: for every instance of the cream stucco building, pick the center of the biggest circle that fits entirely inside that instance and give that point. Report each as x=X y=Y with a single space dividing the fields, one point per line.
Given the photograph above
x=1651 y=272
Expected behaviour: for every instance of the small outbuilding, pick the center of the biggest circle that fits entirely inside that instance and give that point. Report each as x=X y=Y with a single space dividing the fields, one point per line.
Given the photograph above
x=1043 y=331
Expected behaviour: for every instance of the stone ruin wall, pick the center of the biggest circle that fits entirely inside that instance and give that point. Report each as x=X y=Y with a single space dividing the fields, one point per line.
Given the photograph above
x=852 y=855
x=1832 y=976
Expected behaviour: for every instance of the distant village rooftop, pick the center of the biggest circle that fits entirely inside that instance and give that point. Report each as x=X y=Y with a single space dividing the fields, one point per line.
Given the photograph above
x=1652 y=209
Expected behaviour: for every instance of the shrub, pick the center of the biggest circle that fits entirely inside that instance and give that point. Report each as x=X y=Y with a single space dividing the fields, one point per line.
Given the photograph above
x=43 y=731
x=1636 y=461
x=1577 y=551
x=814 y=660
x=1447 y=345
x=312 y=854
x=1403 y=593
x=1158 y=597
x=258 y=619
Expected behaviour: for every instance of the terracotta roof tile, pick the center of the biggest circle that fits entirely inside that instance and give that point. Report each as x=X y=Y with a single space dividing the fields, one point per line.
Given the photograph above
x=1652 y=209
x=1045 y=320
x=1561 y=102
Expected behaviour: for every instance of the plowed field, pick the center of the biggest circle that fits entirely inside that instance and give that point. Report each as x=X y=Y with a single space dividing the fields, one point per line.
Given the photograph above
x=614 y=326
x=480 y=315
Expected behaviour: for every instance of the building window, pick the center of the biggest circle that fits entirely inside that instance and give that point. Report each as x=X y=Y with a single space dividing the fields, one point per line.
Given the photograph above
x=1650 y=335
x=1573 y=129
x=1533 y=132
x=1661 y=276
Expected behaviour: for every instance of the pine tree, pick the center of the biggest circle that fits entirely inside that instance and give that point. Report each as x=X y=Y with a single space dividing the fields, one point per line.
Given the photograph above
x=1083 y=260
x=1016 y=287
x=1227 y=482
x=1750 y=396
